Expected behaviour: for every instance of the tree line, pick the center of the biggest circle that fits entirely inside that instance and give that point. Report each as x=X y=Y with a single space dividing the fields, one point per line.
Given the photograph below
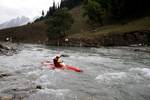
x=59 y=20
x=116 y=9
x=68 y=4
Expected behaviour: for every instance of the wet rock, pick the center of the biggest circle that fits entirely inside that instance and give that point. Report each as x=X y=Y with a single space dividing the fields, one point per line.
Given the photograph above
x=38 y=87
x=140 y=38
x=18 y=93
x=7 y=97
x=142 y=50
x=4 y=75
x=136 y=49
x=1 y=46
x=8 y=49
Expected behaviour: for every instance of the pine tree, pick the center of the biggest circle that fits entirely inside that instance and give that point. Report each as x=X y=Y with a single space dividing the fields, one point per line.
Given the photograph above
x=42 y=12
x=94 y=11
x=59 y=24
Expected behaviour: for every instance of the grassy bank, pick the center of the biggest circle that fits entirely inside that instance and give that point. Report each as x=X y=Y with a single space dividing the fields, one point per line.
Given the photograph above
x=131 y=32
x=142 y=24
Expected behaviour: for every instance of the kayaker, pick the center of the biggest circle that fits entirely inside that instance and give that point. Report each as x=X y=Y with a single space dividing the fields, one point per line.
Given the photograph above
x=58 y=62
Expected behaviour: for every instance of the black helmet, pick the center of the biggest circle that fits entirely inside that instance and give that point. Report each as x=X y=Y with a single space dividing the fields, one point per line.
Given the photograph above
x=57 y=56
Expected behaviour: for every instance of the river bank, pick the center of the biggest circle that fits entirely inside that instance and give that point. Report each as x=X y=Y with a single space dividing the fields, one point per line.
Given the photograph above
x=135 y=38
x=135 y=32
x=8 y=48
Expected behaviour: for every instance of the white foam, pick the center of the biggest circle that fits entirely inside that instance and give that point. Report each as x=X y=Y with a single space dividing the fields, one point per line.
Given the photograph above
x=34 y=72
x=144 y=72
x=54 y=91
x=43 y=80
x=33 y=75
x=111 y=76
x=50 y=94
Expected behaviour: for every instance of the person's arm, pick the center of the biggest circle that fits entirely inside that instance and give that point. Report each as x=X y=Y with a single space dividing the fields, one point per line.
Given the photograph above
x=59 y=61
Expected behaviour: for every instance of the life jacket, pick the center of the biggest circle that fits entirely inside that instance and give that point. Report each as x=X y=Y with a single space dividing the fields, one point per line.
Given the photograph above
x=57 y=63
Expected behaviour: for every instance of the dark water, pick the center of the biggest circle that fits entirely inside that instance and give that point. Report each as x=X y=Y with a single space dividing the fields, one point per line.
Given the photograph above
x=117 y=73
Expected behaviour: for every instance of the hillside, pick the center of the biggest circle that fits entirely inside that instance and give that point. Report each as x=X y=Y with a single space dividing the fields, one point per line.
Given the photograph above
x=37 y=31
x=132 y=32
x=135 y=31
x=80 y=25
x=31 y=33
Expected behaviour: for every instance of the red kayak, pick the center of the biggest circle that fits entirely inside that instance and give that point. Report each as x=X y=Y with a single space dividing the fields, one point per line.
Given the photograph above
x=68 y=67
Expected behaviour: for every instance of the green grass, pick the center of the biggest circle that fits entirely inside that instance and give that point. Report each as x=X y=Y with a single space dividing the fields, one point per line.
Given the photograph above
x=80 y=25
x=135 y=25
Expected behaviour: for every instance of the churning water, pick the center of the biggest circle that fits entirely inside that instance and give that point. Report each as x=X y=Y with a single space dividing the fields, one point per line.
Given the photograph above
x=114 y=73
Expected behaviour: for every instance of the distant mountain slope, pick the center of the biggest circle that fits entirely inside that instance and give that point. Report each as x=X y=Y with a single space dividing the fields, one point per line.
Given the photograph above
x=33 y=32
x=15 y=22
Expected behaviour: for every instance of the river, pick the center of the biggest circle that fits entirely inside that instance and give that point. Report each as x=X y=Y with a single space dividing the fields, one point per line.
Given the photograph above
x=112 y=73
